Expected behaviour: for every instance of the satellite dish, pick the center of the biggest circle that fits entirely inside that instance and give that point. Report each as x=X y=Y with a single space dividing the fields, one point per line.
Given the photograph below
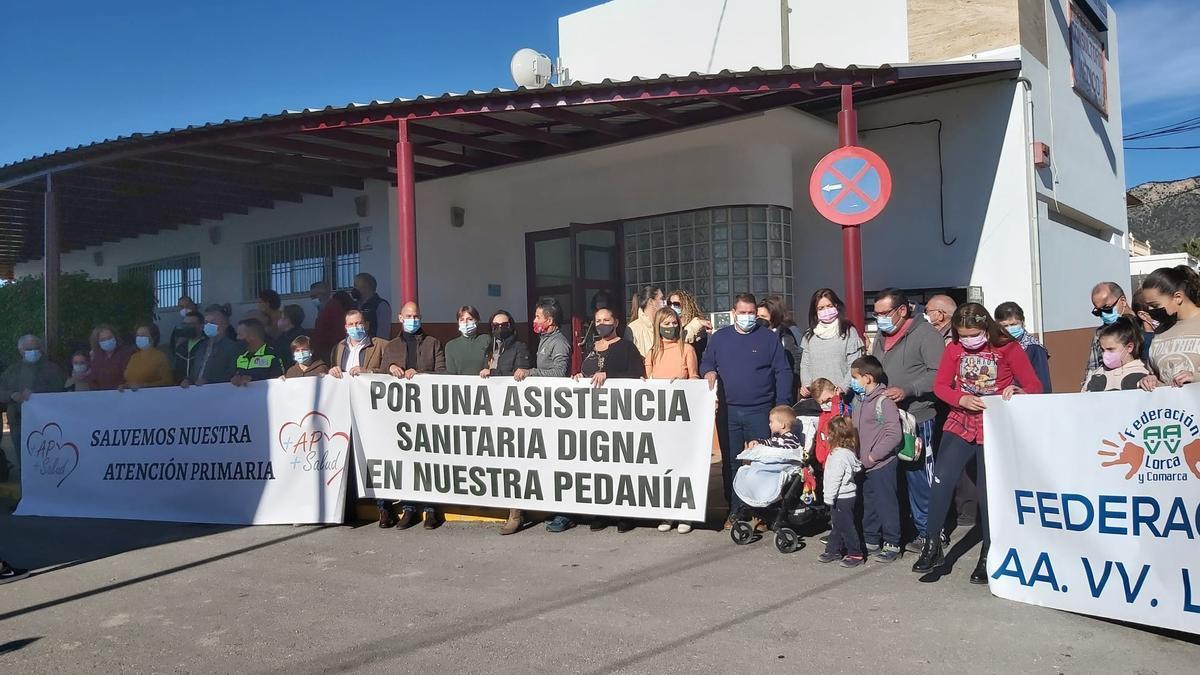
x=531 y=68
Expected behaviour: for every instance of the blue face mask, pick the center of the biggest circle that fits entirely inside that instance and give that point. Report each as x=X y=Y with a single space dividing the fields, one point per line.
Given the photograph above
x=746 y=322
x=32 y=355
x=857 y=388
x=142 y=342
x=412 y=325
x=885 y=324
x=211 y=330
x=678 y=310
x=303 y=357
x=1016 y=331
x=1110 y=317
x=357 y=333
x=109 y=344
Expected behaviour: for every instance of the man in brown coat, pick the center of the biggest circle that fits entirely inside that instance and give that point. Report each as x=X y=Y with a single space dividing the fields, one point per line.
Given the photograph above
x=358 y=353
x=412 y=353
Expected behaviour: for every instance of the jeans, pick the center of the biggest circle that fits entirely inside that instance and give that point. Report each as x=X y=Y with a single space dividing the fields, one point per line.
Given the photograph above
x=737 y=426
x=843 y=534
x=918 y=477
x=881 y=505
x=953 y=456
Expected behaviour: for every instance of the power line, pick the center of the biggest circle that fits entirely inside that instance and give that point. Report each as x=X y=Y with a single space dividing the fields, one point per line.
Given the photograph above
x=1165 y=147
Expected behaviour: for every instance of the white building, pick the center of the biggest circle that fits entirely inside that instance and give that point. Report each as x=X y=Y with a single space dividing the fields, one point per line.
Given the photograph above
x=690 y=180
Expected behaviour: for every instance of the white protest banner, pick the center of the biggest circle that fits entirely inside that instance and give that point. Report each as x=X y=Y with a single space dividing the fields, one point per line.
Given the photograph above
x=1094 y=503
x=270 y=453
x=630 y=448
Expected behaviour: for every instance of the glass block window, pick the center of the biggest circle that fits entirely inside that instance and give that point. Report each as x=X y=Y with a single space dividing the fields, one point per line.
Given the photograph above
x=171 y=278
x=290 y=265
x=715 y=253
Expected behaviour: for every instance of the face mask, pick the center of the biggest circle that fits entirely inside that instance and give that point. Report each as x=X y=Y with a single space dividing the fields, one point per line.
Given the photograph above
x=857 y=387
x=747 y=322
x=211 y=330
x=668 y=332
x=467 y=328
x=79 y=368
x=973 y=343
x=187 y=331
x=1160 y=316
x=539 y=327
x=412 y=325
x=1110 y=317
x=184 y=312
x=1016 y=331
x=763 y=323
x=32 y=355
x=109 y=344
x=827 y=406
x=678 y=311
x=827 y=315
x=1112 y=360
x=605 y=329
x=503 y=332
x=885 y=324
x=303 y=357
x=356 y=333
x=142 y=342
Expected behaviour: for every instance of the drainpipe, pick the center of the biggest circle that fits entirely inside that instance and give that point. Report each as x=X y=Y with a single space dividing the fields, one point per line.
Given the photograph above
x=785 y=34
x=1035 y=243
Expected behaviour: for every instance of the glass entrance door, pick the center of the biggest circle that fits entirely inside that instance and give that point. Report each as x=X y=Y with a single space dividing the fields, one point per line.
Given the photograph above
x=578 y=266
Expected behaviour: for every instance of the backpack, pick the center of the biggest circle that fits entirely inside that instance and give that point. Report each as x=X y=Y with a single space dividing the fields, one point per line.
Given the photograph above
x=911 y=445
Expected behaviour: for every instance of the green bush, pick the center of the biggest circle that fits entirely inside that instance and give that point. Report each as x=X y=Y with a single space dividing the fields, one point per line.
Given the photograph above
x=83 y=302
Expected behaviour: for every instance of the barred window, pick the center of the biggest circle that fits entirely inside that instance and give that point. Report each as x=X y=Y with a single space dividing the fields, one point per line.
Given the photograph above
x=290 y=265
x=171 y=278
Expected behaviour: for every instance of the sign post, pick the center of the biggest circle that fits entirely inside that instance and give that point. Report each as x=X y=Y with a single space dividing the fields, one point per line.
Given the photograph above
x=850 y=186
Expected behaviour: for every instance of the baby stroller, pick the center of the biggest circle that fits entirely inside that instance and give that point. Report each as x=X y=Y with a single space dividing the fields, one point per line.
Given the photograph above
x=772 y=488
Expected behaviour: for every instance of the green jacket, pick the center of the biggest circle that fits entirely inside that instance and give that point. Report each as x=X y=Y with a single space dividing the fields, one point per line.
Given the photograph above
x=467 y=355
x=43 y=377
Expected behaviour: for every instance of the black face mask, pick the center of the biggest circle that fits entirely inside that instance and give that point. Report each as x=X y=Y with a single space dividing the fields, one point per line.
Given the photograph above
x=763 y=323
x=189 y=332
x=503 y=332
x=1164 y=319
x=605 y=329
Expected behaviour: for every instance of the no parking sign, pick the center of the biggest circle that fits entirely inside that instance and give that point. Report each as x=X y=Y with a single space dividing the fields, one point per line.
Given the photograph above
x=850 y=185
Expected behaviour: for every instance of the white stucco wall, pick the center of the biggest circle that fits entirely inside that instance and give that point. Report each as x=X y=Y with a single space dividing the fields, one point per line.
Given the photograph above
x=647 y=38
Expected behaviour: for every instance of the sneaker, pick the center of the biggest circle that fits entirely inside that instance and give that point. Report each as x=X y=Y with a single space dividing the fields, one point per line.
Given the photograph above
x=888 y=553
x=559 y=524
x=683 y=528
x=872 y=547
x=9 y=573
x=828 y=557
x=664 y=526
x=915 y=545
x=852 y=561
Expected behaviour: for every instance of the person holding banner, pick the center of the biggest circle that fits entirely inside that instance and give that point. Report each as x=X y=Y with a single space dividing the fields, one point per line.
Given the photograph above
x=754 y=375
x=109 y=358
x=1123 y=367
x=259 y=362
x=671 y=358
x=1108 y=303
x=505 y=356
x=412 y=353
x=148 y=367
x=358 y=353
x=982 y=361
x=218 y=355
x=303 y=362
x=33 y=374
x=1173 y=296
x=465 y=354
x=554 y=348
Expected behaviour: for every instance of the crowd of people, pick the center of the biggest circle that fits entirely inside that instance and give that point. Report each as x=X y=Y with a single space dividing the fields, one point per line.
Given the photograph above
x=938 y=364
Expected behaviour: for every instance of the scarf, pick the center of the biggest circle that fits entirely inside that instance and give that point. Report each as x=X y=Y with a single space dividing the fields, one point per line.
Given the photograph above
x=827 y=331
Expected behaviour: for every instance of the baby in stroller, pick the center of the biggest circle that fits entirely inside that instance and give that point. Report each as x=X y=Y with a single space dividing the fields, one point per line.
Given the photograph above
x=771 y=483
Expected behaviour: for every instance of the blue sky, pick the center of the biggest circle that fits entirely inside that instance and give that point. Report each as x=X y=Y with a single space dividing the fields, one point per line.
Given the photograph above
x=75 y=72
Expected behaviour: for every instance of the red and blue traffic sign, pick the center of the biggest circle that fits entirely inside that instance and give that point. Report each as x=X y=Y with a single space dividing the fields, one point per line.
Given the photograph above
x=850 y=185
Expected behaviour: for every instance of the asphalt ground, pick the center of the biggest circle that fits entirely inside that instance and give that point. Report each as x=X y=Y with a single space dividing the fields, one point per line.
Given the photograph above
x=125 y=596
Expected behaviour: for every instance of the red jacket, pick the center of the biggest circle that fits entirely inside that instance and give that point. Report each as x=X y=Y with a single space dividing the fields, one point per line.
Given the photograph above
x=108 y=368
x=328 y=330
x=821 y=443
x=987 y=372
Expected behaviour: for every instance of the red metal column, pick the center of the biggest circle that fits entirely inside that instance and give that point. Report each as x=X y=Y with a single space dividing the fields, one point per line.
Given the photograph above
x=50 y=267
x=852 y=276
x=406 y=216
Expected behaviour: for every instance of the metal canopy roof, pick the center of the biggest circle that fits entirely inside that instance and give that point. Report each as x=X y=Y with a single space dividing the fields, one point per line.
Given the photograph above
x=144 y=183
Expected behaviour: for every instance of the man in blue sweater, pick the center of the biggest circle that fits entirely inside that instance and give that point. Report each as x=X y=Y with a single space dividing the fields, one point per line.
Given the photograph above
x=750 y=364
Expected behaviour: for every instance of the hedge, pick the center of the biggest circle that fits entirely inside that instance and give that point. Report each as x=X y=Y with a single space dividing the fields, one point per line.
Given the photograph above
x=83 y=302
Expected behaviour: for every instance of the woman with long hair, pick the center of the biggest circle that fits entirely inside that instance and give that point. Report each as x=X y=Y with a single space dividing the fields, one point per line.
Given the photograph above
x=505 y=355
x=983 y=360
x=830 y=344
x=772 y=315
x=693 y=323
x=671 y=358
x=1172 y=295
x=645 y=302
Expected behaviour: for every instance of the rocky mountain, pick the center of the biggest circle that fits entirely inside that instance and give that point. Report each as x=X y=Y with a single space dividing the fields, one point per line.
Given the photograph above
x=1169 y=216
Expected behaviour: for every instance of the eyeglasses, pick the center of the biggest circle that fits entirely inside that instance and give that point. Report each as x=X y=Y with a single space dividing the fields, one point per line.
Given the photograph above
x=496 y=326
x=675 y=304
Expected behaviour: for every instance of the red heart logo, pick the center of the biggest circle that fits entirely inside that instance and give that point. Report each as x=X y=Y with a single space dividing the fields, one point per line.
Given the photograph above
x=312 y=437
